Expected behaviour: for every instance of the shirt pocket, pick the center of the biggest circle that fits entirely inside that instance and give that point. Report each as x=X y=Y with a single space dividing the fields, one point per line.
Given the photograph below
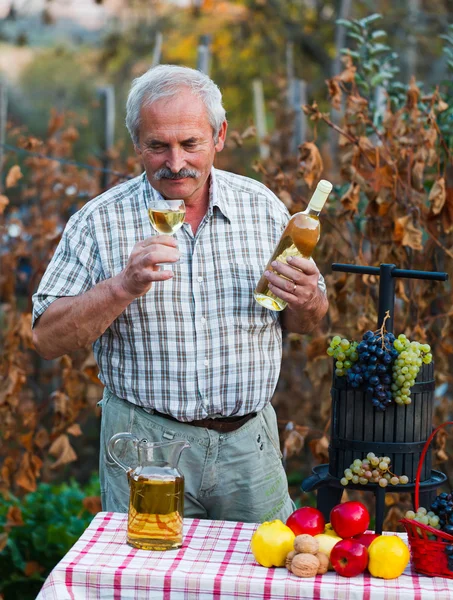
x=247 y=314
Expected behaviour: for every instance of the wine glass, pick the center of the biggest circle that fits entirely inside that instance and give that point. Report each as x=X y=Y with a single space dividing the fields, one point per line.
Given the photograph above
x=166 y=216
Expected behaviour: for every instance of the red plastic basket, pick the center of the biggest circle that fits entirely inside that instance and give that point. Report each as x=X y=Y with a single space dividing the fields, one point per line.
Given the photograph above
x=427 y=544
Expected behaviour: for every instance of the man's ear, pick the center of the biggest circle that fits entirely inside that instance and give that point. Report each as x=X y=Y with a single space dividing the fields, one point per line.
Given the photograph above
x=221 y=137
x=138 y=152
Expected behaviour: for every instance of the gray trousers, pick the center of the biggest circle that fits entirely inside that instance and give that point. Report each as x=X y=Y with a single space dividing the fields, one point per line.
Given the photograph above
x=236 y=476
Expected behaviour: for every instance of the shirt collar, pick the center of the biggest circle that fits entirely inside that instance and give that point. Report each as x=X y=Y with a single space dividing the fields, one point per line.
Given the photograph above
x=217 y=195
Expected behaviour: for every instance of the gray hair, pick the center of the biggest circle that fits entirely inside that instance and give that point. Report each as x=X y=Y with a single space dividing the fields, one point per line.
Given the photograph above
x=165 y=81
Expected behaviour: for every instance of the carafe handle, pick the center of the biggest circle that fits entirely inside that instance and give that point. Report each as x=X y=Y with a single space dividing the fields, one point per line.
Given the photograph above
x=111 y=448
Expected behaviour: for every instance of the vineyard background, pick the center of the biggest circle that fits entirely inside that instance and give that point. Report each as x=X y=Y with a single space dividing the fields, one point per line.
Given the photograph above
x=378 y=122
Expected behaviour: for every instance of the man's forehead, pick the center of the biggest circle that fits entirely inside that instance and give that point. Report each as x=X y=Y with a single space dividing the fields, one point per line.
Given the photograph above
x=183 y=98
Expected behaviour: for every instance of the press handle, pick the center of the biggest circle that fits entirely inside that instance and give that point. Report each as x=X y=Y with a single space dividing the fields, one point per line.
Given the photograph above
x=111 y=448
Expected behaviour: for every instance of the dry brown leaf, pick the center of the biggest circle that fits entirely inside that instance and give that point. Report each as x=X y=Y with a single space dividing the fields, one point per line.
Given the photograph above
x=32 y=567
x=63 y=451
x=92 y=504
x=441 y=105
x=294 y=441
x=26 y=441
x=29 y=470
x=74 y=429
x=351 y=198
x=14 y=517
x=286 y=198
x=334 y=90
x=316 y=348
x=320 y=449
x=400 y=290
x=437 y=196
x=417 y=175
x=3 y=203
x=407 y=233
x=250 y=132
x=447 y=213
x=440 y=446
x=7 y=470
x=61 y=402
x=348 y=74
x=11 y=387
x=3 y=541
x=56 y=122
x=310 y=163
x=70 y=134
x=413 y=95
x=41 y=439
x=235 y=139
x=25 y=330
x=14 y=174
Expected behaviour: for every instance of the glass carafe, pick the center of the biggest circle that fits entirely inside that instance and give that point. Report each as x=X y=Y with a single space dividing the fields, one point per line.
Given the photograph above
x=156 y=502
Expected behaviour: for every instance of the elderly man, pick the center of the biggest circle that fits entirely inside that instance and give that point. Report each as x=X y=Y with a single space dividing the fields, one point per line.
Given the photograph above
x=184 y=352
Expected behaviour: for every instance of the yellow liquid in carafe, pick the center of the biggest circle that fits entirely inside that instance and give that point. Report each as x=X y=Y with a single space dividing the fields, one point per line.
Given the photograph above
x=156 y=509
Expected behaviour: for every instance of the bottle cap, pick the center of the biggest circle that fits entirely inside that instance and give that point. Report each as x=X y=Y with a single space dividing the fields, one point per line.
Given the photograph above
x=320 y=194
x=324 y=186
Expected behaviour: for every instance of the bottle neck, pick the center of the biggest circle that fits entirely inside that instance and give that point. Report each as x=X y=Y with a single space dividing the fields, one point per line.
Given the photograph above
x=311 y=211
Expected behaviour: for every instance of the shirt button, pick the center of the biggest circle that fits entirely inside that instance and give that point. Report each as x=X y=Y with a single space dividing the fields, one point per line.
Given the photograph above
x=203 y=320
x=199 y=279
x=206 y=362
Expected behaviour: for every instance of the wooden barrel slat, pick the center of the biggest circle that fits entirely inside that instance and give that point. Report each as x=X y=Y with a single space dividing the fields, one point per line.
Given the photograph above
x=355 y=419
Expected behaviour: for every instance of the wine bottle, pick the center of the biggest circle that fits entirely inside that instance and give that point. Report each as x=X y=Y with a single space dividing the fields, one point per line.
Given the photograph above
x=299 y=238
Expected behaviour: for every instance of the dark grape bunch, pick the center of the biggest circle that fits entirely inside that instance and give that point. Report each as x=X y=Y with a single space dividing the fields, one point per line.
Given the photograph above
x=372 y=469
x=449 y=553
x=374 y=367
x=443 y=508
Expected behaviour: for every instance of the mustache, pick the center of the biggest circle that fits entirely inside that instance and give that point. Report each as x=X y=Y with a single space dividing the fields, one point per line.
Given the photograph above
x=165 y=173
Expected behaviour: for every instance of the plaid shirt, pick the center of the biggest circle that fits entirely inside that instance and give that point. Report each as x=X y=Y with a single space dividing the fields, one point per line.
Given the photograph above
x=198 y=345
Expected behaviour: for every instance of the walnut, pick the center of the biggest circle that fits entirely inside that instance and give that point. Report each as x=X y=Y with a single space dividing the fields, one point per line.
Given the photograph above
x=306 y=544
x=305 y=565
x=323 y=563
x=289 y=558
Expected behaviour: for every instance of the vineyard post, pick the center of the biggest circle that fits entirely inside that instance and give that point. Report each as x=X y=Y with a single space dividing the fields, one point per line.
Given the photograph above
x=260 y=118
x=203 y=54
x=107 y=95
x=289 y=62
x=297 y=97
x=3 y=115
x=157 y=49
x=340 y=41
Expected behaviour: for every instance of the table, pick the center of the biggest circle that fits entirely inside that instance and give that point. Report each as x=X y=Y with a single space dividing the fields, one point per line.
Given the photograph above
x=215 y=562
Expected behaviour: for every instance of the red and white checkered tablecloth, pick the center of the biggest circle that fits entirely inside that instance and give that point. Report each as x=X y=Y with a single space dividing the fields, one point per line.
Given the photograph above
x=215 y=562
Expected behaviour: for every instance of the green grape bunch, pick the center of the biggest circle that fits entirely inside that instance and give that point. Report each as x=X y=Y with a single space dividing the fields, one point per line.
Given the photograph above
x=344 y=352
x=411 y=357
x=372 y=469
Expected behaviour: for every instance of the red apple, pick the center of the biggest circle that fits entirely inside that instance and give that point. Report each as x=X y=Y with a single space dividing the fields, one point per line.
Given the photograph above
x=349 y=519
x=366 y=538
x=349 y=558
x=306 y=520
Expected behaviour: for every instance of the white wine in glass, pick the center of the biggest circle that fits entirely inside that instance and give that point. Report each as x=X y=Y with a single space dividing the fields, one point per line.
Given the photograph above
x=166 y=216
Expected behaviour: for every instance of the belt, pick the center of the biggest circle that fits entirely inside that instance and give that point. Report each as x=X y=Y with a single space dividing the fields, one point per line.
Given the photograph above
x=222 y=425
